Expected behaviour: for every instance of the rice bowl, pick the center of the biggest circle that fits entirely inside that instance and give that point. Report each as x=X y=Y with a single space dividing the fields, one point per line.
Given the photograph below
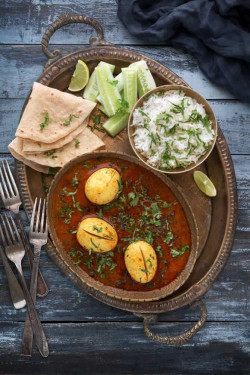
x=172 y=129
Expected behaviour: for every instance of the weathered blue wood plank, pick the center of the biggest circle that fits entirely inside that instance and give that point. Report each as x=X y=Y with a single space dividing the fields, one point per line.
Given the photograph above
x=122 y=348
x=25 y=64
x=233 y=117
x=24 y=22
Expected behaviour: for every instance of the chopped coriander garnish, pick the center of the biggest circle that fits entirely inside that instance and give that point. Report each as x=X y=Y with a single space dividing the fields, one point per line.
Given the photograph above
x=52 y=171
x=169 y=237
x=86 y=165
x=67 y=122
x=97 y=121
x=113 y=83
x=45 y=122
x=177 y=253
x=144 y=270
x=77 y=142
x=97 y=229
x=123 y=106
x=93 y=243
x=75 y=179
x=50 y=154
x=159 y=250
x=68 y=193
x=119 y=182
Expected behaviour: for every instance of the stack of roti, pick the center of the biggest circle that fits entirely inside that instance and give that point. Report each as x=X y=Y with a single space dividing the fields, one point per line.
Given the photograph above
x=53 y=129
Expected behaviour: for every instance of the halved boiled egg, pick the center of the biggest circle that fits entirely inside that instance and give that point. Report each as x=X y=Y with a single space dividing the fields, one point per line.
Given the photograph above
x=102 y=186
x=95 y=234
x=141 y=261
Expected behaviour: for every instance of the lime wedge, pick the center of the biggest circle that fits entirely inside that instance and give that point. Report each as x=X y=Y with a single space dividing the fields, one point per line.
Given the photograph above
x=204 y=184
x=80 y=77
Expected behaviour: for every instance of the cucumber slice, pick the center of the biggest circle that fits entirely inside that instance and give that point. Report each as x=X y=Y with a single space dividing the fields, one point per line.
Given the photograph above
x=99 y=98
x=110 y=66
x=109 y=93
x=91 y=90
x=102 y=109
x=130 y=86
x=116 y=124
x=120 y=83
x=145 y=79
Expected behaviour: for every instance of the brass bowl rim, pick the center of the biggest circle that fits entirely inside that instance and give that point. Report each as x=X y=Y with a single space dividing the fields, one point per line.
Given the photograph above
x=193 y=94
x=111 y=291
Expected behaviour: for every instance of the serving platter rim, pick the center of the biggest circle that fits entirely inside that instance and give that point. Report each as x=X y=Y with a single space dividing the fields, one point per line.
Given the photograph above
x=197 y=290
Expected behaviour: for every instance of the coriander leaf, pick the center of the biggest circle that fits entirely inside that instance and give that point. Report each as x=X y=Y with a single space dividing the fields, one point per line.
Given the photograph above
x=97 y=229
x=159 y=250
x=50 y=154
x=97 y=119
x=123 y=106
x=177 y=253
x=113 y=83
x=46 y=121
x=67 y=122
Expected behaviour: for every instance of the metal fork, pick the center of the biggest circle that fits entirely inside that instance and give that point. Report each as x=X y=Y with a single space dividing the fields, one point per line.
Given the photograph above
x=38 y=237
x=12 y=202
x=15 y=252
x=16 y=292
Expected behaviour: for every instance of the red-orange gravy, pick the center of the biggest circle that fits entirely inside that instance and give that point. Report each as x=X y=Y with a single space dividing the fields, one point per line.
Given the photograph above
x=142 y=193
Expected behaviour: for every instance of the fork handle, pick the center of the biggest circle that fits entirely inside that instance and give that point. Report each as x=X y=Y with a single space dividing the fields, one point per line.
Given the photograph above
x=28 y=333
x=15 y=289
x=42 y=289
x=36 y=325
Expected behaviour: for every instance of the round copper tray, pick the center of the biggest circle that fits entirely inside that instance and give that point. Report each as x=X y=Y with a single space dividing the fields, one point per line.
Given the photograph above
x=216 y=219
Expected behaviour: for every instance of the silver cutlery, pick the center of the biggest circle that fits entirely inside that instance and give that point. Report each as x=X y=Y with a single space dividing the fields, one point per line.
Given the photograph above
x=14 y=250
x=16 y=292
x=12 y=202
x=38 y=237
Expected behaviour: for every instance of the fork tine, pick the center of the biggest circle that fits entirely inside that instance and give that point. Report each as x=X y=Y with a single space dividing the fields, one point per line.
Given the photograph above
x=6 y=232
x=43 y=219
x=3 y=236
x=33 y=217
x=6 y=193
x=11 y=177
x=1 y=191
x=16 y=230
x=38 y=215
x=7 y=180
x=10 y=229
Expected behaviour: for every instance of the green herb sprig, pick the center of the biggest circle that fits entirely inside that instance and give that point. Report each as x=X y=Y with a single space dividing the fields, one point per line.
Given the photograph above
x=45 y=122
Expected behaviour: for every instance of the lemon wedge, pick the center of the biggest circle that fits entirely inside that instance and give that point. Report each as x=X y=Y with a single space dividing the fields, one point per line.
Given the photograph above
x=80 y=77
x=204 y=183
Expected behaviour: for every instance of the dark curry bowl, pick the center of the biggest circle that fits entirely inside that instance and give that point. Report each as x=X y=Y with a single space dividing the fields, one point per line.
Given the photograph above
x=192 y=94
x=112 y=291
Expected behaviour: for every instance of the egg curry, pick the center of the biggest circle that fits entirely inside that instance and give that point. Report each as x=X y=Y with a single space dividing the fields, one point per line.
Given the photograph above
x=121 y=224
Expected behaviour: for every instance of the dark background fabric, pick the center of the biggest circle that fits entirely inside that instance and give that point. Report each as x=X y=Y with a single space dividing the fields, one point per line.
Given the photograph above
x=217 y=32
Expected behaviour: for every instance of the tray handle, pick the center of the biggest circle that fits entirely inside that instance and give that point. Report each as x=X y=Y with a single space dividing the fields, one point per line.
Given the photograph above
x=181 y=339
x=65 y=19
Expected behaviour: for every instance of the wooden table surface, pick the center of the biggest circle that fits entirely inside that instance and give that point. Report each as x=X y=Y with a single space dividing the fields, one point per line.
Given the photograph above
x=84 y=335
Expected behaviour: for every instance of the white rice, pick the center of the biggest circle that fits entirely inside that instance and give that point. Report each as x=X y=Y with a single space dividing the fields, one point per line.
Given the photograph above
x=168 y=139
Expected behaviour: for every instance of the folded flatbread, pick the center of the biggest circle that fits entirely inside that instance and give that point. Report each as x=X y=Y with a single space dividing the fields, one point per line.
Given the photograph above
x=15 y=148
x=85 y=142
x=29 y=147
x=52 y=114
